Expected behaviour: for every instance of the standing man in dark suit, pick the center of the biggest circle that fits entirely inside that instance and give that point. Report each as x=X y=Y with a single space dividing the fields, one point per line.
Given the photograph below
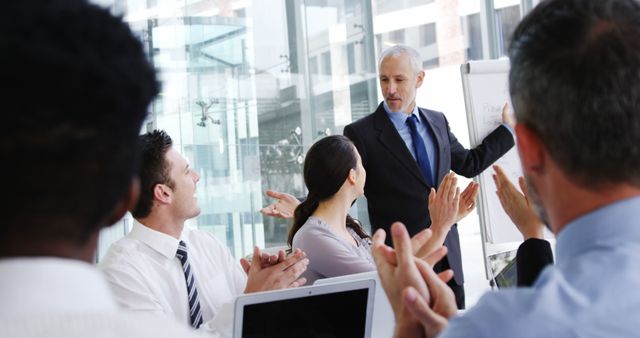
x=407 y=150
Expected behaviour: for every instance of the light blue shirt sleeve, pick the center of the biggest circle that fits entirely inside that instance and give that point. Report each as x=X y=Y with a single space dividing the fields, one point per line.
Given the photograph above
x=590 y=292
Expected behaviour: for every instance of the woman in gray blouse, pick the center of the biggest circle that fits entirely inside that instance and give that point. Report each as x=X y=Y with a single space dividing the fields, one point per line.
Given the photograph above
x=334 y=242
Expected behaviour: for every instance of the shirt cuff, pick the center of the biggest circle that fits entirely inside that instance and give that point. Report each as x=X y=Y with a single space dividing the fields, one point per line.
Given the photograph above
x=513 y=132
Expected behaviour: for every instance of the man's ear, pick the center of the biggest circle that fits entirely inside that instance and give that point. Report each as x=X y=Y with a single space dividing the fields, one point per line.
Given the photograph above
x=419 y=78
x=531 y=149
x=127 y=202
x=162 y=193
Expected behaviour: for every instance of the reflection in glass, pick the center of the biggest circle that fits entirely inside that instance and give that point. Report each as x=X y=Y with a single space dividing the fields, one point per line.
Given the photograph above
x=247 y=88
x=507 y=18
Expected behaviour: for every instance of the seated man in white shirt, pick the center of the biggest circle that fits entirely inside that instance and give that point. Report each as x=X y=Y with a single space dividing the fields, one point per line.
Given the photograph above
x=149 y=270
x=78 y=88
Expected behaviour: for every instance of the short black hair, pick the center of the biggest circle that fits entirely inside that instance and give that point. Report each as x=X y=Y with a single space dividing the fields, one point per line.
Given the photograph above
x=154 y=169
x=575 y=81
x=77 y=86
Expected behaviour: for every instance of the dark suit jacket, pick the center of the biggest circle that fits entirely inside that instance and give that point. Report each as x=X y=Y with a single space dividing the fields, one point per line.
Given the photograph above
x=396 y=189
x=532 y=257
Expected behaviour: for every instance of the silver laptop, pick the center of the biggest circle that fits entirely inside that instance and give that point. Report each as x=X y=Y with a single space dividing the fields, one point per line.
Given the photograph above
x=329 y=310
x=383 y=318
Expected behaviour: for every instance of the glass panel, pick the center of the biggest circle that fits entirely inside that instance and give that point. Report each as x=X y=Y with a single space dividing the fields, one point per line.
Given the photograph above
x=247 y=87
x=445 y=32
x=507 y=14
x=386 y=6
x=338 y=36
x=473 y=36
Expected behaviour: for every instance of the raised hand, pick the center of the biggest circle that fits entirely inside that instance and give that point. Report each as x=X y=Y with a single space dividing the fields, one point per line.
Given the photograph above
x=444 y=209
x=467 y=200
x=507 y=115
x=517 y=205
x=284 y=274
x=433 y=316
x=444 y=204
x=266 y=260
x=283 y=207
x=399 y=272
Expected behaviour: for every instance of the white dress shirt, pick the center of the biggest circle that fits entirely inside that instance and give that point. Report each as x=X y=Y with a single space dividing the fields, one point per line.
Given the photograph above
x=55 y=297
x=145 y=275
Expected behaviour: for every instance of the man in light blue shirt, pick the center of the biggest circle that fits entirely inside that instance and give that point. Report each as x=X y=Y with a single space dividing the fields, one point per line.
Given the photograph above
x=575 y=87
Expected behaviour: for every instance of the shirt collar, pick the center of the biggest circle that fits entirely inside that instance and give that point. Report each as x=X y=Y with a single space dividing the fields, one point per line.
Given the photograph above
x=399 y=119
x=51 y=286
x=609 y=227
x=158 y=241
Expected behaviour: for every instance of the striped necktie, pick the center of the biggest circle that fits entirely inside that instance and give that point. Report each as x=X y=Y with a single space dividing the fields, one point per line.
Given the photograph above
x=194 y=301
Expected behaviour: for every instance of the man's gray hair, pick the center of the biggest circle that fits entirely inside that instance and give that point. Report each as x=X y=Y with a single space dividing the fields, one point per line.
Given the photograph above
x=579 y=88
x=397 y=50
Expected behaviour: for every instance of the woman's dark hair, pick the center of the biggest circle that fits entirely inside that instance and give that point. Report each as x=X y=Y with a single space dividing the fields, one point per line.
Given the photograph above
x=326 y=167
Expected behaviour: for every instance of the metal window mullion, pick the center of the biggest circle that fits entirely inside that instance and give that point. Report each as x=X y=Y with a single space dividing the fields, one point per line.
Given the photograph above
x=526 y=6
x=490 y=48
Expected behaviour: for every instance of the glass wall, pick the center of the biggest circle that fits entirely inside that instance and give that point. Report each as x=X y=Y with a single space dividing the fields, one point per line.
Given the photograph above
x=507 y=17
x=249 y=85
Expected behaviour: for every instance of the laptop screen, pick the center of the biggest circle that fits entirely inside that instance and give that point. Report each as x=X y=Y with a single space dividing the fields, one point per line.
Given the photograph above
x=383 y=321
x=508 y=277
x=337 y=314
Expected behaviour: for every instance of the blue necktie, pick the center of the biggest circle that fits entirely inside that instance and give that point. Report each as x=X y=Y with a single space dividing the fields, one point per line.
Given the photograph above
x=421 y=151
x=192 y=292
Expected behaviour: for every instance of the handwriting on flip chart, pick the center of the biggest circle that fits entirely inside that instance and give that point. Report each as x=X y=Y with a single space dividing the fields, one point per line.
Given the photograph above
x=486 y=92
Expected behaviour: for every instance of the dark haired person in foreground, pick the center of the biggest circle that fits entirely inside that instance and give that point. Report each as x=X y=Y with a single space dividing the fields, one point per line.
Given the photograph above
x=78 y=88
x=575 y=87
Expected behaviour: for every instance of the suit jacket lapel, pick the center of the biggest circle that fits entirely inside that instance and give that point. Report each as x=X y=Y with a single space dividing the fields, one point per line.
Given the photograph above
x=390 y=138
x=439 y=145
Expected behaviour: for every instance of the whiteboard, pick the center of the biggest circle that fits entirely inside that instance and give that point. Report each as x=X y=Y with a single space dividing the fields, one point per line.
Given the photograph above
x=485 y=85
x=486 y=89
